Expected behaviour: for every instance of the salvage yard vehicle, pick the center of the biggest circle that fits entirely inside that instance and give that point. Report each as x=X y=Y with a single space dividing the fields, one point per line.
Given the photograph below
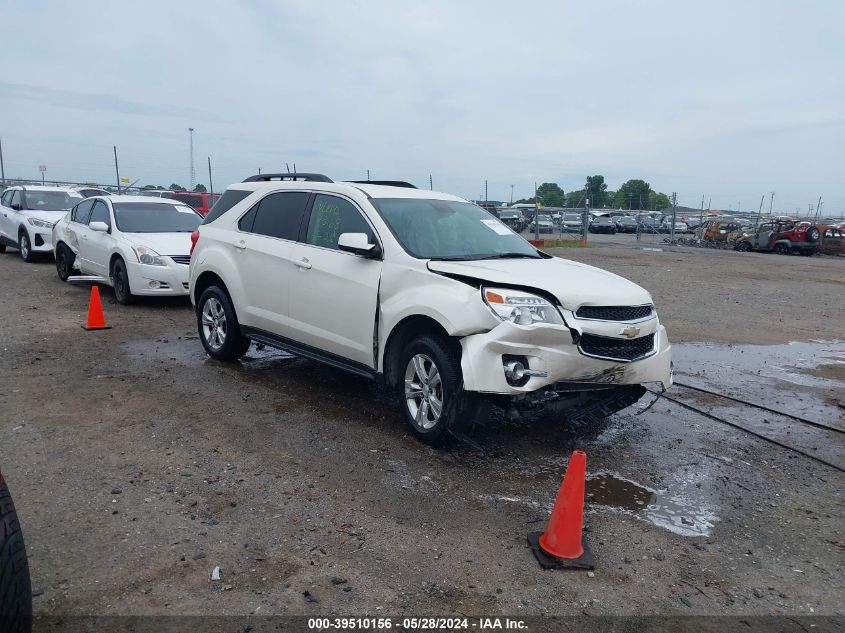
x=832 y=241
x=572 y=222
x=15 y=584
x=200 y=202
x=718 y=232
x=138 y=245
x=27 y=216
x=626 y=224
x=424 y=291
x=513 y=218
x=542 y=224
x=602 y=224
x=782 y=236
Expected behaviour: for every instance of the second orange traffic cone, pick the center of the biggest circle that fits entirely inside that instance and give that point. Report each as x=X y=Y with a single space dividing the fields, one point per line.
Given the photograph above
x=96 y=318
x=562 y=544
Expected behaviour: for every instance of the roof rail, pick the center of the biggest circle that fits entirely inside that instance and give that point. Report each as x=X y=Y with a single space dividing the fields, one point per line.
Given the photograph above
x=386 y=183
x=289 y=176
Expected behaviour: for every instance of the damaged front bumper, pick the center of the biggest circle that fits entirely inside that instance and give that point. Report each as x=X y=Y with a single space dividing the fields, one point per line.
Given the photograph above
x=551 y=351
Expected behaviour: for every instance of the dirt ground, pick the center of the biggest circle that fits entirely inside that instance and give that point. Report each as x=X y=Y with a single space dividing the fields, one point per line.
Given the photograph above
x=138 y=466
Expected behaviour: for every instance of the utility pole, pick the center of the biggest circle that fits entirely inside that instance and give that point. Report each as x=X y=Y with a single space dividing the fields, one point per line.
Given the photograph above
x=585 y=219
x=674 y=216
x=771 y=203
x=210 y=185
x=116 y=170
x=511 y=195
x=2 y=167
x=486 y=204
x=701 y=213
x=368 y=175
x=430 y=183
x=536 y=215
x=193 y=171
x=759 y=212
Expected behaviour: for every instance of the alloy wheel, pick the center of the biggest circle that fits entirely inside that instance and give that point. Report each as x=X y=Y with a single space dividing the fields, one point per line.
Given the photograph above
x=214 y=323
x=423 y=391
x=24 y=246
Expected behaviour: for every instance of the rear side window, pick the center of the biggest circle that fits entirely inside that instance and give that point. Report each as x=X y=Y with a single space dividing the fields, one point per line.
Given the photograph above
x=280 y=214
x=82 y=211
x=331 y=216
x=229 y=199
x=245 y=223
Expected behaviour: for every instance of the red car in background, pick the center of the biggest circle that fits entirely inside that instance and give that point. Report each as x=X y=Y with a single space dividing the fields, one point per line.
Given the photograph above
x=201 y=202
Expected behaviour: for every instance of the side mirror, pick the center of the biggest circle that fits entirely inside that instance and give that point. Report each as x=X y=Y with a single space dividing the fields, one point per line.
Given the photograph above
x=100 y=227
x=16 y=206
x=359 y=244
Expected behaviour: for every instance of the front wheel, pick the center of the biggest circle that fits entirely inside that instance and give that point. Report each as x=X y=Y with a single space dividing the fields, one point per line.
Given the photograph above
x=432 y=390
x=25 y=247
x=2 y=248
x=218 y=326
x=743 y=247
x=15 y=586
x=120 y=279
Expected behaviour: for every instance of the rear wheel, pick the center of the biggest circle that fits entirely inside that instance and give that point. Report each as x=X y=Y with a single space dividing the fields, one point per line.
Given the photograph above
x=743 y=247
x=120 y=279
x=781 y=249
x=218 y=326
x=64 y=261
x=15 y=585
x=434 y=401
x=25 y=247
x=2 y=248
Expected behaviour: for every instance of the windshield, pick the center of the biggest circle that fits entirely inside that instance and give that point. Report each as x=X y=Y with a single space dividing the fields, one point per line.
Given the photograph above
x=443 y=229
x=572 y=217
x=50 y=200
x=151 y=217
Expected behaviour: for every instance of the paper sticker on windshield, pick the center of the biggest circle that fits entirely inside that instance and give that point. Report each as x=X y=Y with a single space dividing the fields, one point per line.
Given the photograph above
x=497 y=226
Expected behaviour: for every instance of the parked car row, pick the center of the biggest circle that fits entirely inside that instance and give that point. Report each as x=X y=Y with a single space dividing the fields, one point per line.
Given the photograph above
x=423 y=291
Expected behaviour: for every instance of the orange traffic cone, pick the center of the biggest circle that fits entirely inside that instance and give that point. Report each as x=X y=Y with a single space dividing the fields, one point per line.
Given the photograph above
x=562 y=544
x=96 y=318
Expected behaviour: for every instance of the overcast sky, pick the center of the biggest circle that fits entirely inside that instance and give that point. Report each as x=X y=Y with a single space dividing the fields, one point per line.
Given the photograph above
x=727 y=99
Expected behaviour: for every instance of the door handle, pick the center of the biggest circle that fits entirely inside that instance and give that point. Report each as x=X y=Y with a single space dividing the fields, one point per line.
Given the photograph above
x=302 y=263
x=240 y=245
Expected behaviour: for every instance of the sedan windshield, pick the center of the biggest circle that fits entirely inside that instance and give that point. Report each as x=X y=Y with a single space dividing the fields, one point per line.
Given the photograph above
x=50 y=200
x=443 y=229
x=572 y=217
x=152 y=217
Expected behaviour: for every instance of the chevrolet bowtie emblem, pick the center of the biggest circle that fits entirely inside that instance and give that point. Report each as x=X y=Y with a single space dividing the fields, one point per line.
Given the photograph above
x=629 y=331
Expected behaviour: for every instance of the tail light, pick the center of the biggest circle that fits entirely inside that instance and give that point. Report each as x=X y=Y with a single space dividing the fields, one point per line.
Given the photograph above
x=194 y=237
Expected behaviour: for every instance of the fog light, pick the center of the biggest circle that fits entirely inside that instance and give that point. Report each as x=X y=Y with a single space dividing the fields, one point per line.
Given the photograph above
x=154 y=284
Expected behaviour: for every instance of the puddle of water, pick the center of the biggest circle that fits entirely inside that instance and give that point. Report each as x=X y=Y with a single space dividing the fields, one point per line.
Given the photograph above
x=671 y=512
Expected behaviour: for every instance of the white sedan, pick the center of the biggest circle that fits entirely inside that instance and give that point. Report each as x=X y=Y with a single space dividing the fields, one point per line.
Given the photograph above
x=138 y=245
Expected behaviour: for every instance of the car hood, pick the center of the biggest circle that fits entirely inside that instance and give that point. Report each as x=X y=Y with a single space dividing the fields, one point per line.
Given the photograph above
x=49 y=216
x=162 y=243
x=572 y=283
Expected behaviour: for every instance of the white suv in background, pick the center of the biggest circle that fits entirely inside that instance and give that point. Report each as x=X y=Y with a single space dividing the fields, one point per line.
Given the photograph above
x=27 y=216
x=138 y=245
x=425 y=291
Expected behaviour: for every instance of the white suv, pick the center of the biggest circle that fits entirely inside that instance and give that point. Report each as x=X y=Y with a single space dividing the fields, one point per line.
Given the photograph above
x=425 y=291
x=27 y=216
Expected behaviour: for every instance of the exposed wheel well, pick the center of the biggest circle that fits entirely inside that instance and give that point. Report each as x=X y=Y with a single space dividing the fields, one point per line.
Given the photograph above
x=403 y=332
x=205 y=280
x=113 y=259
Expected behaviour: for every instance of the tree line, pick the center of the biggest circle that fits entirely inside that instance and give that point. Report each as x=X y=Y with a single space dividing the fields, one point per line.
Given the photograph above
x=200 y=188
x=634 y=194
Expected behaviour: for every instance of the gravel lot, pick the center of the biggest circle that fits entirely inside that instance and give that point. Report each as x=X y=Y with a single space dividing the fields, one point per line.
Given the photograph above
x=138 y=465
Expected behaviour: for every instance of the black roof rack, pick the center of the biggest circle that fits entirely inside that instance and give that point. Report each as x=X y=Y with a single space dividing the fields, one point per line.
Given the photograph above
x=386 y=183
x=289 y=176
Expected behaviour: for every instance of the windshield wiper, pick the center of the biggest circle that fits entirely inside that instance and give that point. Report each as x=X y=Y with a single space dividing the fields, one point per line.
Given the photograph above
x=511 y=256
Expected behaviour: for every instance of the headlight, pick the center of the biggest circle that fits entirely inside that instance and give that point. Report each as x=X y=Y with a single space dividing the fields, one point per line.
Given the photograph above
x=520 y=307
x=148 y=256
x=44 y=224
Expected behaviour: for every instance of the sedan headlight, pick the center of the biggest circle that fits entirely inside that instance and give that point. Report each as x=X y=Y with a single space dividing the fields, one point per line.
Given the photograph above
x=148 y=256
x=43 y=224
x=520 y=307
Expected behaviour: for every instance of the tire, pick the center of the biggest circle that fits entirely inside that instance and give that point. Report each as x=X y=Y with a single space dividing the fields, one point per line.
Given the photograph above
x=218 y=326
x=25 y=247
x=2 y=248
x=781 y=249
x=15 y=585
x=120 y=280
x=813 y=234
x=64 y=261
x=743 y=247
x=443 y=384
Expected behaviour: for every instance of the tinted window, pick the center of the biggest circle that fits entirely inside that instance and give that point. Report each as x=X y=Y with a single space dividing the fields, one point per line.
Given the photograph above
x=245 y=223
x=331 y=216
x=152 y=217
x=82 y=211
x=6 y=198
x=100 y=213
x=16 y=198
x=280 y=214
x=229 y=199
x=192 y=199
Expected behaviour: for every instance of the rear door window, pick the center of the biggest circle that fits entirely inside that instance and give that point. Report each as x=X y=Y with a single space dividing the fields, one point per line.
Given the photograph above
x=280 y=214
